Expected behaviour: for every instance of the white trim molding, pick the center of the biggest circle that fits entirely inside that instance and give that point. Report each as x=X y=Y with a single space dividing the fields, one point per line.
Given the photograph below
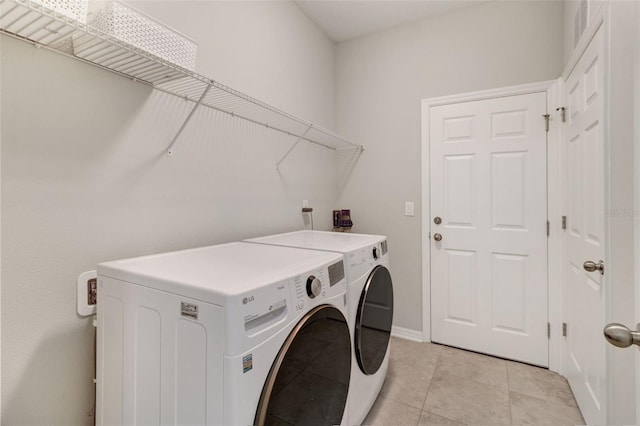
x=406 y=333
x=636 y=180
x=555 y=100
x=482 y=95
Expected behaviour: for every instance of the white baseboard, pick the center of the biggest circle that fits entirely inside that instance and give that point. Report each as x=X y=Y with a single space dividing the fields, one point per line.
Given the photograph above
x=407 y=333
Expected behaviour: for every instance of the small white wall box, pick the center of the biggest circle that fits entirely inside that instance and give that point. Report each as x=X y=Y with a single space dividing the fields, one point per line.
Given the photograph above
x=129 y=25
x=74 y=9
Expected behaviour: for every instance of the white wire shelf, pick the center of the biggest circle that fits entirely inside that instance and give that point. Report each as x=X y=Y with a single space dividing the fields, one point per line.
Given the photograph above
x=44 y=27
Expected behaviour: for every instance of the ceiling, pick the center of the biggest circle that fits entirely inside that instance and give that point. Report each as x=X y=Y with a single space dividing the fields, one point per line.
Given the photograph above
x=342 y=20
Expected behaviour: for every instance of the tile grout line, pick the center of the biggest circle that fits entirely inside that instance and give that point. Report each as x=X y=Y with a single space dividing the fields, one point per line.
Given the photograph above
x=431 y=380
x=420 y=411
x=509 y=394
x=429 y=388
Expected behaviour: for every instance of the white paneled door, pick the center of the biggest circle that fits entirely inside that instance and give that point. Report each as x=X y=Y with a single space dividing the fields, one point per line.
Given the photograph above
x=489 y=226
x=583 y=162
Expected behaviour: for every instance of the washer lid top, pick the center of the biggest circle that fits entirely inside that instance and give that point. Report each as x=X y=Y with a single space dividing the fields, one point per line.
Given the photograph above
x=341 y=242
x=214 y=273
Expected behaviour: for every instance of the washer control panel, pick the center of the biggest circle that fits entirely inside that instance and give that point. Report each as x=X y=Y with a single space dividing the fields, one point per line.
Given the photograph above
x=262 y=307
x=314 y=287
x=311 y=288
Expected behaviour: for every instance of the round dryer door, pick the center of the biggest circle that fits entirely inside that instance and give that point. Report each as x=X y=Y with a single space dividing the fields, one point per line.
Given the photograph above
x=373 y=320
x=309 y=379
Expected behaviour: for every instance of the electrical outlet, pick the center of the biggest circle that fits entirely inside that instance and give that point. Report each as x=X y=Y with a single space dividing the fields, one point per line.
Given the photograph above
x=87 y=295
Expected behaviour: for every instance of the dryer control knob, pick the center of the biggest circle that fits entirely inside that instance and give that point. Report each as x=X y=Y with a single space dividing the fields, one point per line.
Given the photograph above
x=314 y=286
x=375 y=253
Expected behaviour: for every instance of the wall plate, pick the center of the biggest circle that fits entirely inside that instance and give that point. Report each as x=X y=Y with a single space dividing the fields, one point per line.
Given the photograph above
x=409 y=208
x=85 y=309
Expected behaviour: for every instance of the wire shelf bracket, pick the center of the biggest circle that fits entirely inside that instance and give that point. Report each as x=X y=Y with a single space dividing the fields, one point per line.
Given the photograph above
x=186 y=120
x=293 y=146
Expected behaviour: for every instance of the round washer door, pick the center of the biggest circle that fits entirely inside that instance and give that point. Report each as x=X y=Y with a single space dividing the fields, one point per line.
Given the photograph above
x=309 y=379
x=373 y=320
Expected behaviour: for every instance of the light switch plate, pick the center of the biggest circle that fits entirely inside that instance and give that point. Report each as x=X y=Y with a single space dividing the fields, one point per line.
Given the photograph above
x=409 y=208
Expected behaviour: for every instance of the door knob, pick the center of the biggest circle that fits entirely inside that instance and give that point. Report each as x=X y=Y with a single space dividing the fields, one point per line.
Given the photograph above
x=437 y=220
x=620 y=336
x=437 y=237
x=590 y=266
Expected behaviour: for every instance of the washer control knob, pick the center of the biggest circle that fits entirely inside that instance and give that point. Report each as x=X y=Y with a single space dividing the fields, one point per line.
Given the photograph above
x=314 y=286
x=375 y=253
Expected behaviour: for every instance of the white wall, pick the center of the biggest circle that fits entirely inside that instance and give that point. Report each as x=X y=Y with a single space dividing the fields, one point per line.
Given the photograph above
x=85 y=179
x=380 y=82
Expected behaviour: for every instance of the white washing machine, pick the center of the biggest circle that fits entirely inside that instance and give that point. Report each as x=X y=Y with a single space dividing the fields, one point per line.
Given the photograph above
x=235 y=334
x=370 y=306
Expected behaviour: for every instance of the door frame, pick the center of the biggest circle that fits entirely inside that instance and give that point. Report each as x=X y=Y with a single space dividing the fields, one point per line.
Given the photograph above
x=636 y=180
x=553 y=90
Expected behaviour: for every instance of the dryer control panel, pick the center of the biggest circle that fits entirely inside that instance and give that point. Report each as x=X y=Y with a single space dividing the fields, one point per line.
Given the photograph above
x=362 y=260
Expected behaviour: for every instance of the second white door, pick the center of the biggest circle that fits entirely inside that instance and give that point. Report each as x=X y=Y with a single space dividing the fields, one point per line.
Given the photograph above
x=584 y=240
x=489 y=211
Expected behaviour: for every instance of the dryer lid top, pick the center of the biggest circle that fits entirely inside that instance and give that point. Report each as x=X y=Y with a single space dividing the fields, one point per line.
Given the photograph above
x=214 y=273
x=341 y=242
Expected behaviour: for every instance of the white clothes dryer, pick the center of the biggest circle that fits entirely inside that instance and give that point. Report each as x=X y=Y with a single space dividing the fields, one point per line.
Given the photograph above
x=370 y=306
x=235 y=334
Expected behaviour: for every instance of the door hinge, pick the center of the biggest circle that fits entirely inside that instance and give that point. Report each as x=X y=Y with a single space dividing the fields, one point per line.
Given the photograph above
x=563 y=115
x=548 y=228
x=564 y=329
x=564 y=223
x=547 y=117
x=549 y=330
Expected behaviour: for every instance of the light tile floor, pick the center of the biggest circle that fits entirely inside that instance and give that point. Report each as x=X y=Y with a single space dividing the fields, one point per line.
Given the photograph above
x=429 y=384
